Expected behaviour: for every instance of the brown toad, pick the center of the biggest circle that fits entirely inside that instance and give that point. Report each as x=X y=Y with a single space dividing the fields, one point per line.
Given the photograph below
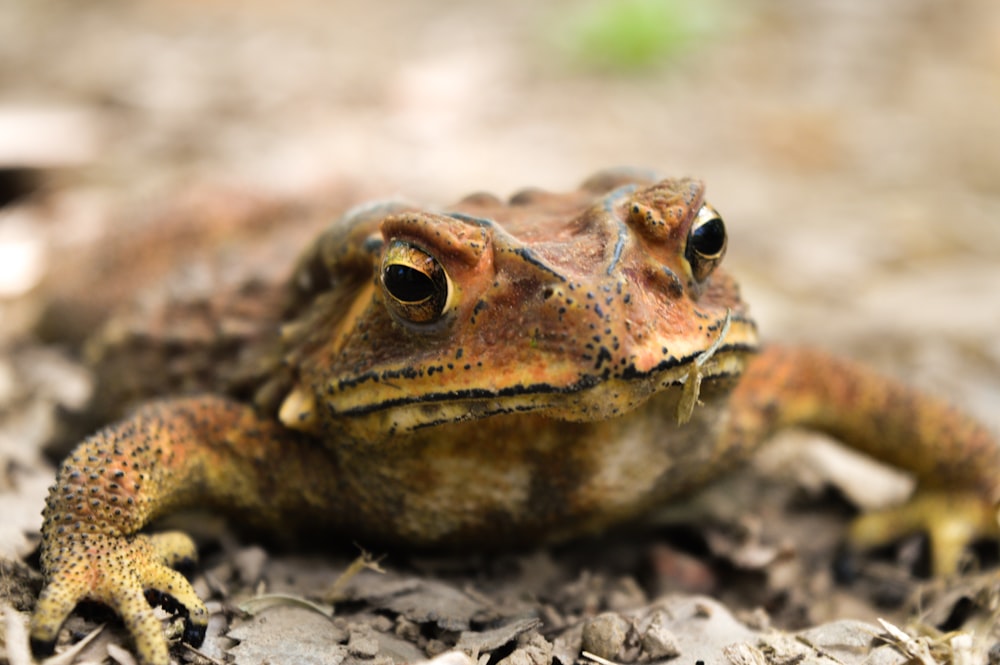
x=492 y=373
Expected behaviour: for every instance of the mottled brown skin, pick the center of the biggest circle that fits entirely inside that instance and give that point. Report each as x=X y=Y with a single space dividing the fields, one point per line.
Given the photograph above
x=577 y=359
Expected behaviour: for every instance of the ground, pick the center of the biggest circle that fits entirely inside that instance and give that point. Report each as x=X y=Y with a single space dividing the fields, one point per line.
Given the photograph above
x=852 y=147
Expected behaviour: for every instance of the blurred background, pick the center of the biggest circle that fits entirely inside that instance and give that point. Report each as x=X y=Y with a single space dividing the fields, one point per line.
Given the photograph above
x=853 y=147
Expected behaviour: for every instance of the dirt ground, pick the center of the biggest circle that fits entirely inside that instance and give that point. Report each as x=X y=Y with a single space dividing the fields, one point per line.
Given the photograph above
x=852 y=147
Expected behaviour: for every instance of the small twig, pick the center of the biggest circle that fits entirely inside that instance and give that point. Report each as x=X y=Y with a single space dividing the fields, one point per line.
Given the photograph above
x=201 y=654
x=364 y=561
x=692 y=382
x=586 y=655
x=264 y=602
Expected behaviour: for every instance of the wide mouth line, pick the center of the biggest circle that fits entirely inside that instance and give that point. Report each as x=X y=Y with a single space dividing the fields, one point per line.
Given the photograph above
x=585 y=383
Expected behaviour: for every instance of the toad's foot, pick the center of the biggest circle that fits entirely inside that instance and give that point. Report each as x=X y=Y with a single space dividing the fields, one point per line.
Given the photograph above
x=952 y=520
x=128 y=574
x=170 y=455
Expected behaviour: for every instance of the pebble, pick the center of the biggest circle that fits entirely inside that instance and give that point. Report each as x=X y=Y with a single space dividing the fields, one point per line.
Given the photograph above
x=604 y=635
x=657 y=640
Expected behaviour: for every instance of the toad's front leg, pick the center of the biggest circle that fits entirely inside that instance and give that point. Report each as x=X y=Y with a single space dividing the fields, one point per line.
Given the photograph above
x=956 y=460
x=170 y=455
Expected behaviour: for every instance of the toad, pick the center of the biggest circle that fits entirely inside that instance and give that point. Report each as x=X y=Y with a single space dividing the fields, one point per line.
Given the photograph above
x=494 y=373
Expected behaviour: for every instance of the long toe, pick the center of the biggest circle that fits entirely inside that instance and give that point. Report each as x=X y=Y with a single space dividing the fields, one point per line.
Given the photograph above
x=951 y=520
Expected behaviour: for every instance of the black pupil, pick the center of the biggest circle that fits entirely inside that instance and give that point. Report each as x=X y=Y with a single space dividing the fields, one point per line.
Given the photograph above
x=709 y=238
x=407 y=284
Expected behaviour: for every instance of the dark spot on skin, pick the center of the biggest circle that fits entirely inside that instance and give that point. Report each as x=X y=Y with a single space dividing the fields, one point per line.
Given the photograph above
x=602 y=356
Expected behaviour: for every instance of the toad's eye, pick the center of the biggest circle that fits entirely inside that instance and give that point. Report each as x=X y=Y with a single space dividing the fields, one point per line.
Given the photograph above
x=706 y=244
x=415 y=283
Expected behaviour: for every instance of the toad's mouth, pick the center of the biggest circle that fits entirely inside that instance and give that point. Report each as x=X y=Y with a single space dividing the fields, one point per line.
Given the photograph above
x=409 y=401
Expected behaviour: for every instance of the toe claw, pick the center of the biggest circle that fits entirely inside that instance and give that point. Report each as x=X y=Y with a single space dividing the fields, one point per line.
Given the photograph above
x=194 y=633
x=42 y=648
